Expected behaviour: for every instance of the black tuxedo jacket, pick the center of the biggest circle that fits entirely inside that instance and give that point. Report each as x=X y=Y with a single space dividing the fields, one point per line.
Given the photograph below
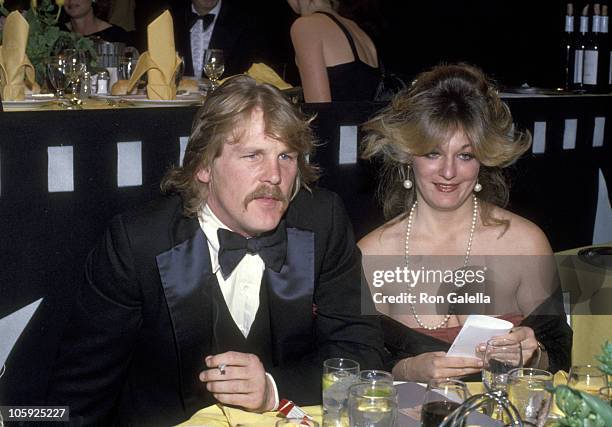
x=142 y=324
x=239 y=30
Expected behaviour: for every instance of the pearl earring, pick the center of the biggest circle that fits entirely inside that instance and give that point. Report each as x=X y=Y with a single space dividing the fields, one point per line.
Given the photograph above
x=407 y=183
x=477 y=187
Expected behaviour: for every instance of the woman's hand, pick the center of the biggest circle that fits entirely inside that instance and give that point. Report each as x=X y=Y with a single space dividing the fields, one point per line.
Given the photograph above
x=427 y=366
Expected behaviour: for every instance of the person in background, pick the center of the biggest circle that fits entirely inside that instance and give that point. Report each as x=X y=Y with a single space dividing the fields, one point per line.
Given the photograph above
x=83 y=19
x=336 y=58
x=232 y=289
x=443 y=145
x=238 y=27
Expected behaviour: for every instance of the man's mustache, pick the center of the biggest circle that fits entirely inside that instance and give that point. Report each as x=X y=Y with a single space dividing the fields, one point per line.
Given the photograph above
x=267 y=192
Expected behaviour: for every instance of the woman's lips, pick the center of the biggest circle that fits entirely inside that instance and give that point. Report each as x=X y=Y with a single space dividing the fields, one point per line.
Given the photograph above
x=446 y=188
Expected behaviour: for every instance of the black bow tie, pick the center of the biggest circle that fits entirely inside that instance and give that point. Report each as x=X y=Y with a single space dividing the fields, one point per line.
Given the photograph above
x=206 y=19
x=271 y=247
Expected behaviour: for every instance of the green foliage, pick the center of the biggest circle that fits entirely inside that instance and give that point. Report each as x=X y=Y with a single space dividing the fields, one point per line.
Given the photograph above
x=606 y=358
x=581 y=409
x=46 y=39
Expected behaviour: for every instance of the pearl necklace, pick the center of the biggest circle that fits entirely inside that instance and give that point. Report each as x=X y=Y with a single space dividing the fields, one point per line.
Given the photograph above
x=465 y=261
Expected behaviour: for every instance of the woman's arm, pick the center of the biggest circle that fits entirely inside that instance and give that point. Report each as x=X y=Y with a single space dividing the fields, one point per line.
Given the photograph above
x=308 y=46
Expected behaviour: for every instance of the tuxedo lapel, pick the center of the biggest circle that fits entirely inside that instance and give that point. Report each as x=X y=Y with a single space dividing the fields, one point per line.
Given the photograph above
x=186 y=278
x=290 y=294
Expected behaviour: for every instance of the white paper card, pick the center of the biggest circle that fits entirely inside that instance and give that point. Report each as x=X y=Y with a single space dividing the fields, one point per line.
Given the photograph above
x=477 y=329
x=182 y=147
x=12 y=326
x=598 y=131
x=60 y=169
x=348 y=145
x=569 y=134
x=129 y=164
x=539 y=138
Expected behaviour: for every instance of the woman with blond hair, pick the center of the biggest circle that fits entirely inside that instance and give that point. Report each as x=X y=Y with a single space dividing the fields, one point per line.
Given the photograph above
x=443 y=145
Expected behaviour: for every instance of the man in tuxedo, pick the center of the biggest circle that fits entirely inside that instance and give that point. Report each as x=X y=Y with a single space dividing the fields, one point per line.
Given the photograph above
x=233 y=288
x=238 y=27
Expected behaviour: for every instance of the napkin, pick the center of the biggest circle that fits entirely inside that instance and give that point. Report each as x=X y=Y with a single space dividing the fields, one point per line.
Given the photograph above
x=218 y=415
x=15 y=66
x=160 y=62
x=264 y=74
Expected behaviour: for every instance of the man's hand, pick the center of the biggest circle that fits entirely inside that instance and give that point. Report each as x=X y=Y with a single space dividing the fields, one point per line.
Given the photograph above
x=434 y=365
x=243 y=381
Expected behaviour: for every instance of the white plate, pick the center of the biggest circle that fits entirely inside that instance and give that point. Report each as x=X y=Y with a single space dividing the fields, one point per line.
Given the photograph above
x=179 y=102
x=28 y=104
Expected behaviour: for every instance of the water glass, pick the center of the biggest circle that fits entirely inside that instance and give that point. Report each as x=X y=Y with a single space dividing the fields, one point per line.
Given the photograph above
x=587 y=378
x=338 y=375
x=442 y=397
x=297 y=422
x=605 y=394
x=214 y=65
x=375 y=376
x=372 y=405
x=529 y=391
x=57 y=73
x=501 y=356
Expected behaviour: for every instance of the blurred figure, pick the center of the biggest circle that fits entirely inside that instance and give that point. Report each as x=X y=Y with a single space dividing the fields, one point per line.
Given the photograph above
x=84 y=20
x=336 y=58
x=235 y=26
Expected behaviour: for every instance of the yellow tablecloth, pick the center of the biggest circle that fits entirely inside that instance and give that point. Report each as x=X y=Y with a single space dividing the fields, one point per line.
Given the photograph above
x=223 y=416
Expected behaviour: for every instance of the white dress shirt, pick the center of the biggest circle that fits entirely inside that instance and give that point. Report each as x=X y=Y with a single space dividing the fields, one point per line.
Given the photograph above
x=200 y=39
x=241 y=289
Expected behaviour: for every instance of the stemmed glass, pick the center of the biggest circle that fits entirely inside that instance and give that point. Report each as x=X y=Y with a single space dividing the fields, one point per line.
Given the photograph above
x=587 y=378
x=441 y=398
x=57 y=73
x=501 y=356
x=214 y=66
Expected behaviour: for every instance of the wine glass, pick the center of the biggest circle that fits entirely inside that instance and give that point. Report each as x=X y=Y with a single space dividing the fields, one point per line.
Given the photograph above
x=501 y=356
x=441 y=398
x=57 y=73
x=587 y=378
x=214 y=66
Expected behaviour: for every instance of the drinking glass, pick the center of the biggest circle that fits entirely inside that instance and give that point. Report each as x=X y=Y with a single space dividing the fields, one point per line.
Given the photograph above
x=297 y=422
x=372 y=405
x=501 y=356
x=338 y=375
x=587 y=378
x=442 y=397
x=605 y=394
x=375 y=376
x=57 y=73
x=529 y=390
x=214 y=66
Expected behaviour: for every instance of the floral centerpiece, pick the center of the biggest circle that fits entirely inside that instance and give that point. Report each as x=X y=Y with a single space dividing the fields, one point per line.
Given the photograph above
x=46 y=38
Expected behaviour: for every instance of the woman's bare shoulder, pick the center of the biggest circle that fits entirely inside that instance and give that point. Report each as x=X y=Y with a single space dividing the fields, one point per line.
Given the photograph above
x=384 y=240
x=310 y=25
x=522 y=237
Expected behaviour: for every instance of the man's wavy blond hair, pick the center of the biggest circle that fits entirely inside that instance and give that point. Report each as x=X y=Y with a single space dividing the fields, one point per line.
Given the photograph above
x=221 y=121
x=440 y=102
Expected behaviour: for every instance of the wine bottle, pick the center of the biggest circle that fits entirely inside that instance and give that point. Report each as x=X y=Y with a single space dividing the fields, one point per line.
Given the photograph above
x=605 y=67
x=581 y=42
x=591 y=53
x=567 y=48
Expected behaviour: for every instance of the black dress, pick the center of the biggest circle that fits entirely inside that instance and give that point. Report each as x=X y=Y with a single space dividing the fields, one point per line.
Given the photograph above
x=352 y=81
x=114 y=34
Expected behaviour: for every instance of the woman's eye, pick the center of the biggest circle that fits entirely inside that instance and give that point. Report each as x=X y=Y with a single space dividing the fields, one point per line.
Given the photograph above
x=432 y=155
x=466 y=156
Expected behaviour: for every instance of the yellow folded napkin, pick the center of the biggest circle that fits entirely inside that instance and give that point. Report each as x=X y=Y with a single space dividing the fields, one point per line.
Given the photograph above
x=264 y=74
x=218 y=415
x=15 y=66
x=160 y=62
